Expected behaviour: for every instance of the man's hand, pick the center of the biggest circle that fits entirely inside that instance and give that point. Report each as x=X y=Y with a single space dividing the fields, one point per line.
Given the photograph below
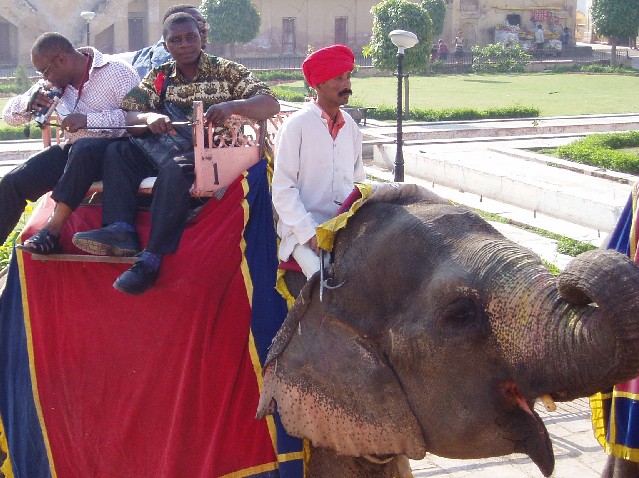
x=159 y=124
x=218 y=114
x=38 y=101
x=312 y=243
x=74 y=122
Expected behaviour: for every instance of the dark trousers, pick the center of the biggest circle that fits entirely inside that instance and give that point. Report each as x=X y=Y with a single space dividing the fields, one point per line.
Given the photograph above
x=125 y=168
x=83 y=167
x=33 y=178
x=68 y=170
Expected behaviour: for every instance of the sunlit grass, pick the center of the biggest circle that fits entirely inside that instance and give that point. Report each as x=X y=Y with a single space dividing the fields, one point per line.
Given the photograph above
x=7 y=248
x=555 y=94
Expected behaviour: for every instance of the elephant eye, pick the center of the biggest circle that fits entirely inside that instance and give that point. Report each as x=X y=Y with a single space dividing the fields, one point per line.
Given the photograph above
x=461 y=313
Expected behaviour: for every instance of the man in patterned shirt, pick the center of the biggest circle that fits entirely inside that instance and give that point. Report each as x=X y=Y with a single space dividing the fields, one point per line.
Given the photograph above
x=92 y=86
x=225 y=88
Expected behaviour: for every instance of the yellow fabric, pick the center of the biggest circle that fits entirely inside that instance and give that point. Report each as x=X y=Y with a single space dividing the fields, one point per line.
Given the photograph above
x=34 y=378
x=326 y=231
x=6 y=469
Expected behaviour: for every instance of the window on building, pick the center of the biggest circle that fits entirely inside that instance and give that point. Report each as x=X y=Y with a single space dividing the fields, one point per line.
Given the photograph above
x=341 y=30
x=136 y=34
x=513 y=19
x=8 y=50
x=288 y=36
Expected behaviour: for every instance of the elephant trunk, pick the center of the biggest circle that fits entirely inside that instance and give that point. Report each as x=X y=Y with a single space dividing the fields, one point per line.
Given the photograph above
x=577 y=337
x=604 y=287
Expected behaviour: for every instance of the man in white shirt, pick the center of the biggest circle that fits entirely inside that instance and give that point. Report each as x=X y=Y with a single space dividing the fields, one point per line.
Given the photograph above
x=318 y=157
x=539 y=39
x=91 y=87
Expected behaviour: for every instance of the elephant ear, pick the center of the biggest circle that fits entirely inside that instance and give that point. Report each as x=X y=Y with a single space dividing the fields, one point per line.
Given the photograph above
x=334 y=386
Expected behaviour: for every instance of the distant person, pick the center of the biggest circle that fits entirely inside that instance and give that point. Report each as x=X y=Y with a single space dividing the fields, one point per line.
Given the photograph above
x=442 y=50
x=153 y=56
x=539 y=39
x=565 y=37
x=459 y=45
x=433 y=54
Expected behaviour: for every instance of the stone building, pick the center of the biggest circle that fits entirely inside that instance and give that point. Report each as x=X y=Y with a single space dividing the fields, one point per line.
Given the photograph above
x=480 y=20
x=288 y=27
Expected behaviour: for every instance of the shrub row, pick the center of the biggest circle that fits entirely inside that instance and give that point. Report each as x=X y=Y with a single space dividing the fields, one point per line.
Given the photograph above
x=8 y=133
x=279 y=75
x=388 y=113
x=599 y=69
x=602 y=150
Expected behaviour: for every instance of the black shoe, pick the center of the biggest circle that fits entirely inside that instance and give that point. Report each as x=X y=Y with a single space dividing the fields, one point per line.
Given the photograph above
x=108 y=241
x=137 y=279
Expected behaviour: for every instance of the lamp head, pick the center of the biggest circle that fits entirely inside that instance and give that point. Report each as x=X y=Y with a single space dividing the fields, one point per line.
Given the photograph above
x=88 y=16
x=403 y=39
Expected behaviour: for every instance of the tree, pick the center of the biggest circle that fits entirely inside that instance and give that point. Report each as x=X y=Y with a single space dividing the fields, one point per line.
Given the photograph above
x=399 y=15
x=615 y=19
x=437 y=12
x=231 y=21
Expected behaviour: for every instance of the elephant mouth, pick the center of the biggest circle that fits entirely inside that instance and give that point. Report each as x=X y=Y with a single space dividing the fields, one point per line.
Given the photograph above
x=525 y=429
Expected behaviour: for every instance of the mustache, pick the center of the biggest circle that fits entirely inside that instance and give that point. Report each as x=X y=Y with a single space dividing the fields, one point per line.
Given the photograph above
x=345 y=91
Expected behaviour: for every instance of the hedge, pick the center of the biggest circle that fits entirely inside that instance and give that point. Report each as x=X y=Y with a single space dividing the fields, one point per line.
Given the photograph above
x=602 y=150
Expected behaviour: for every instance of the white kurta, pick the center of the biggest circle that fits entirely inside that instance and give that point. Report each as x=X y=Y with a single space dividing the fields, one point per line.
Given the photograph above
x=313 y=173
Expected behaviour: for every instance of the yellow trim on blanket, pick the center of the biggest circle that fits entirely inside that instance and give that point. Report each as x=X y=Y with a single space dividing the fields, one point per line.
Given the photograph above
x=284 y=457
x=248 y=284
x=280 y=286
x=599 y=429
x=326 y=231
x=6 y=469
x=34 y=378
x=628 y=395
x=251 y=471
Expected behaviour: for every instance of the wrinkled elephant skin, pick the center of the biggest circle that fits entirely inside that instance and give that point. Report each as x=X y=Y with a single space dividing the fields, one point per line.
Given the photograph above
x=442 y=336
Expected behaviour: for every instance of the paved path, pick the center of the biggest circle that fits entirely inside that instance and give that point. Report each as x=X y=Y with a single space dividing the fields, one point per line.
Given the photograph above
x=577 y=453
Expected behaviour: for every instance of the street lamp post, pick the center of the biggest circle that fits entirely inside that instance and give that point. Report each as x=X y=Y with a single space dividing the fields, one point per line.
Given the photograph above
x=402 y=39
x=88 y=16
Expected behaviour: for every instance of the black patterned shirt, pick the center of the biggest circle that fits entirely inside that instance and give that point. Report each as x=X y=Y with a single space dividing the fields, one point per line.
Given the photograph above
x=216 y=81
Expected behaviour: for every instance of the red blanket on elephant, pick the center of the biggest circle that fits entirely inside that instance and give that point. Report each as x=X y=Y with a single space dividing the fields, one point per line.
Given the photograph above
x=615 y=412
x=95 y=383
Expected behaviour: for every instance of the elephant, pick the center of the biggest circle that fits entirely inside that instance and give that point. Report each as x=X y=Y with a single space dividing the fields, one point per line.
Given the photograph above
x=432 y=332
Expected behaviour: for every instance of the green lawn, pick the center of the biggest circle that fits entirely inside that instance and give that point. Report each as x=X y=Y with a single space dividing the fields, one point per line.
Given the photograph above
x=554 y=94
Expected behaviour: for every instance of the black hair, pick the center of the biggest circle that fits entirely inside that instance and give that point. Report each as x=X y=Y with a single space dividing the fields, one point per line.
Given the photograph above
x=178 y=18
x=181 y=8
x=52 y=42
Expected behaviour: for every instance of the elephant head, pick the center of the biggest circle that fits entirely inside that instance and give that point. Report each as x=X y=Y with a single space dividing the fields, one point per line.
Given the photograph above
x=441 y=335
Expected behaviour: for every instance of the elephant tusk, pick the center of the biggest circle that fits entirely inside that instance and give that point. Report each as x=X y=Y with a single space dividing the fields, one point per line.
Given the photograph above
x=548 y=402
x=379 y=461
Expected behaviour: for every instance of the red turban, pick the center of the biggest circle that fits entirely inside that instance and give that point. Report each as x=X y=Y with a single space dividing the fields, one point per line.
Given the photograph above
x=327 y=63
